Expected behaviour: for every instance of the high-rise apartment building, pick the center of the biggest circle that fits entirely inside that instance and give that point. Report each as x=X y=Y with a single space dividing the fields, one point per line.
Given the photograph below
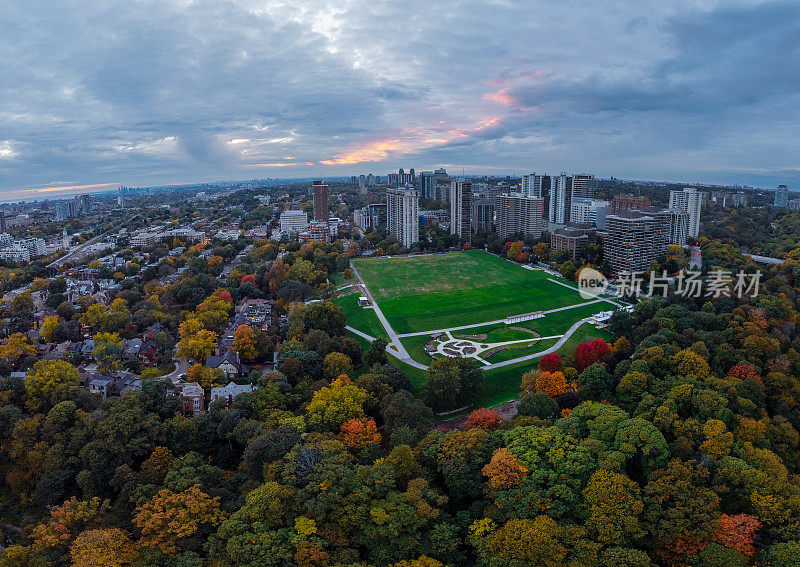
x=621 y=203
x=632 y=242
x=402 y=218
x=482 y=214
x=569 y=239
x=320 y=201
x=534 y=185
x=584 y=210
x=690 y=201
x=560 y=199
x=582 y=185
x=293 y=221
x=517 y=213
x=460 y=208
x=781 y=196
x=428 y=181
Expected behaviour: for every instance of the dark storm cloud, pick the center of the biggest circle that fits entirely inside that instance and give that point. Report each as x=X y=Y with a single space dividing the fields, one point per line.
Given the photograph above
x=160 y=91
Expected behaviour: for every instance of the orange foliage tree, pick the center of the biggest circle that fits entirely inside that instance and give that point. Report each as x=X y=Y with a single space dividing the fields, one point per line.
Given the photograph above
x=738 y=532
x=170 y=517
x=504 y=470
x=357 y=433
x=552 y=383
x=484 y=418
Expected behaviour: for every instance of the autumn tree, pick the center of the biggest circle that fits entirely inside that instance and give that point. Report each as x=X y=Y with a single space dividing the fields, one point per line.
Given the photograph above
x=16 y=347
x=170 y=518
x=337 y=364
x=333 y=405
x=68 y=520
x=359 y=433
x=504 y=470
x=484 y=418
x=48 y=327
x=244 y=342
x=615 y=506
x=110 y=547
x=588 y=353
x=551 y=363
x=738 y=532
x=107 y=348
x=46 y=377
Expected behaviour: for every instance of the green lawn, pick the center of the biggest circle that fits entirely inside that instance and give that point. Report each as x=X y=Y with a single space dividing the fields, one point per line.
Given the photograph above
x=359 y=318
x=504 y=355
x=419 y=293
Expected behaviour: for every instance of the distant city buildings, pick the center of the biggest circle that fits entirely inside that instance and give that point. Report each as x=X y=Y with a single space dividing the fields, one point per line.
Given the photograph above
x=620 y=203
x=517 y=213
x=403 y=215
x=560 y=199
x=688 y=200
x=460 y=208
x=781 y=197
x=401 y=178
x=370 y=217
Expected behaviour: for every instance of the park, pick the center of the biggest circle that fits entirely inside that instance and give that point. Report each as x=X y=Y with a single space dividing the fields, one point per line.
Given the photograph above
x=468 y=304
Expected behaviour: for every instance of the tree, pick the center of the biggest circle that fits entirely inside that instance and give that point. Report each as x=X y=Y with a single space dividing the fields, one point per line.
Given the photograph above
x=358 y=433
x=551 y=383
x=17 y=347
x=504 y=470
x=376 y=353
x=551 y=363
x=244 y=342
x=169 y=518
x=595 y=383
x=197 y=346
x=588 y=353
x=738 y=532
x=538 y=404
x=333 y=405
x=484 y=418
x=451 y=383
x=46 y=377
x=202 y=375
x=48 y=327
x=107 y=348
x=68 y=520
x=336 y=364
x=687 y=362
x=615 y=506
x=110 y=547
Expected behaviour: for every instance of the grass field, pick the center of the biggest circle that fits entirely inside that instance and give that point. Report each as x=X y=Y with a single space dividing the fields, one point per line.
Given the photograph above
x=359 y=318
x=419 y=293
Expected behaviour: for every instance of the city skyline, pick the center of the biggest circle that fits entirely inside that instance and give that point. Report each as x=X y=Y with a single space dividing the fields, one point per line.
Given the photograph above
x=171 y=93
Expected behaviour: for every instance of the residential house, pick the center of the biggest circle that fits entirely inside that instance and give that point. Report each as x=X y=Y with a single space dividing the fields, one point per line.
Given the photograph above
x=230 y=391
x=132 y=349
x=192 y=398
x=229 y=363
x=101 y=385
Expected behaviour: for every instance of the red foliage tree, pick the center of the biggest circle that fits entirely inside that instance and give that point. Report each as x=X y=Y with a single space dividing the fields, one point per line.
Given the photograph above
x=483 y=418
x=589 y=353
x=357 y=433
x=225 y=296
x=738 y=532
x=467 y=246
x=249 y=278
x=745 y=372
x=551 y=363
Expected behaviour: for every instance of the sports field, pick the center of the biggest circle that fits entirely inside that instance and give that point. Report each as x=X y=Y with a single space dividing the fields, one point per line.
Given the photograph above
x=420 y=293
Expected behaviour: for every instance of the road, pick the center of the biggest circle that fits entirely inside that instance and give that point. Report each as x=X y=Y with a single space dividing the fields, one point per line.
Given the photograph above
x=73 y=253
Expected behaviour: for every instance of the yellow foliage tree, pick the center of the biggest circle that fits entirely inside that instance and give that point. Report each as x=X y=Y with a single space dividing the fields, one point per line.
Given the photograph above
x=109 y=547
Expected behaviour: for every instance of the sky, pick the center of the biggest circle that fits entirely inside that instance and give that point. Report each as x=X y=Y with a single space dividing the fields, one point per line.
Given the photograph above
x=94 y=93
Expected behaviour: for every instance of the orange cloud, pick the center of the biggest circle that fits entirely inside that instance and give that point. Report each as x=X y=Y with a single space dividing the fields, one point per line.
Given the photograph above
x=74 y=187
x=409 y=140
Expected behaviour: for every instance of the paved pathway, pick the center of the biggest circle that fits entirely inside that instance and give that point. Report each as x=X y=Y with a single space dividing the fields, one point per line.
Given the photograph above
x=534 y=356
x=497 y=321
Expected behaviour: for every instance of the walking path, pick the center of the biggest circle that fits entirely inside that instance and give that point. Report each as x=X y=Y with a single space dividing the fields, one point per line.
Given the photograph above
x=573 y=288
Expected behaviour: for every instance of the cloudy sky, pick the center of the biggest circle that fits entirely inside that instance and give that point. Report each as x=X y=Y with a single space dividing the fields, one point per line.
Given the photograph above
x=97 y=93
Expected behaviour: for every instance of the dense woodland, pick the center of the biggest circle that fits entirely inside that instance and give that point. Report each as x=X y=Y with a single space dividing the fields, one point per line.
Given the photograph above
x=675 y=445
